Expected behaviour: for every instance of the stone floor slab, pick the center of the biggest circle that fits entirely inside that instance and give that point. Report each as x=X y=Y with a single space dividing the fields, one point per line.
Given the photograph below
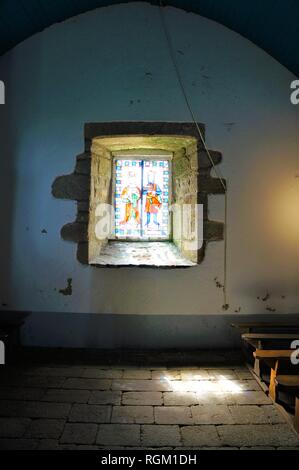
x=132 y=414
x=87 y=447
x=90 y=414
x=43 y=382
x=251 y=398
x=257 y=448
x=142 y=398
x=15 y=393
x=18 y=444
x=243 y=373
x=240 y=385
x=217 y=398
x=180 y=398
x=13 y=427
x=251 y=435
x=75 y=433
x=211 y=414
x=48 y=444
x=119 y=434
x=273 y=414
x=137 y=374
x=287 y=448
x=173 y=415
x=160 y=435
x=66 y=396
x=105 y=397
x=87 y=384
x=96 y=373
x=141 y=385
x=45 y=428
x=32 y=409
x=166 y=374
x=253 y=414
x=201 y=436
x=195 y=374
x=222 y=374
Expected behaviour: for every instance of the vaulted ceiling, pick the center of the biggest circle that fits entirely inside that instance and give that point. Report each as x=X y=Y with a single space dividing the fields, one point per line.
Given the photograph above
x=273 y=25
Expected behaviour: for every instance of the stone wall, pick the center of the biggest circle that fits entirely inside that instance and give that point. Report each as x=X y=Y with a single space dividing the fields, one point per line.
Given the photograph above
x=236 y=89
x=185 y=198
x=100 y=193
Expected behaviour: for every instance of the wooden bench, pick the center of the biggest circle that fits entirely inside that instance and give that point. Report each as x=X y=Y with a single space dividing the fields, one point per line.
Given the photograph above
x=272 y=343
x=277 y=361
x=257 y=335
x=251 y=327
x=273 y=353
x=258 y=340
x=291 y=384
x=275 y=341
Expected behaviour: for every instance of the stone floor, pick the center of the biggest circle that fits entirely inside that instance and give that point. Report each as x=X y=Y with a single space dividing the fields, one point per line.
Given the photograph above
x=161 y=254
x=98 y=407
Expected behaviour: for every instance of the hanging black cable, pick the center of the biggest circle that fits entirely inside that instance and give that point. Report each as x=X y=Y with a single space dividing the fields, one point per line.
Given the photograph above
x=217 y=171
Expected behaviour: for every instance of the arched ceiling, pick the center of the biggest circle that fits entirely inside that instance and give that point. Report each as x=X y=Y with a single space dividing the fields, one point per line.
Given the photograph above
x=273 y=25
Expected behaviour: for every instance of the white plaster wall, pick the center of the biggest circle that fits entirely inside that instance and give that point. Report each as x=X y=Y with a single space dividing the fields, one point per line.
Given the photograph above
x=95 y=67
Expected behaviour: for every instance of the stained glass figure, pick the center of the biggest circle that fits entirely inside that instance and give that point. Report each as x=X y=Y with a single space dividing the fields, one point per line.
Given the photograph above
x=142 y=199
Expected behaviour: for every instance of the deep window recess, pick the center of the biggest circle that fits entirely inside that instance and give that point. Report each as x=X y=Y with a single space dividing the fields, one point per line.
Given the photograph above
x=92 y=185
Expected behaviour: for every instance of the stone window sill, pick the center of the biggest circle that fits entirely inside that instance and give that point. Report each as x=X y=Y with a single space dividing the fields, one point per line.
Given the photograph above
x=147 y=254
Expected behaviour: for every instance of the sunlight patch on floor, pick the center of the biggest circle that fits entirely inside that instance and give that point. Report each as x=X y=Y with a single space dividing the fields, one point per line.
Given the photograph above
x=220 y=385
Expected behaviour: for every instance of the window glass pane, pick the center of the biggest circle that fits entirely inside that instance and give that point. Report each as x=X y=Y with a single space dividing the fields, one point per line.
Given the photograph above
x=142 y=199
x=128 y=178
x=155 y=198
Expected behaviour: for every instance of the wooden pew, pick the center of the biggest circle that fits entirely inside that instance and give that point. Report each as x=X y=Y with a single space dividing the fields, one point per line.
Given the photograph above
x=258 y=340
x=284 y=375
x=290 y=383
x=273 y=353
x=275 y=341
x=278 y=361
x=256 y=335
x=251 y=327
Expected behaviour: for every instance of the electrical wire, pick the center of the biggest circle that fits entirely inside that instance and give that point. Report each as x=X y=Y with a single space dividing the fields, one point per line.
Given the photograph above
x=217 y=171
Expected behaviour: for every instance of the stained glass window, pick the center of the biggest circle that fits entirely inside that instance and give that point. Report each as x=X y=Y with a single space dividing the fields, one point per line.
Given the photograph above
x=141 y=199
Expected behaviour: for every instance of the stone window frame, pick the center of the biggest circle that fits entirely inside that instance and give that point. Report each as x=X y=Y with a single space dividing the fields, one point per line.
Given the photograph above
x=76 y=186
x=184 y=187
